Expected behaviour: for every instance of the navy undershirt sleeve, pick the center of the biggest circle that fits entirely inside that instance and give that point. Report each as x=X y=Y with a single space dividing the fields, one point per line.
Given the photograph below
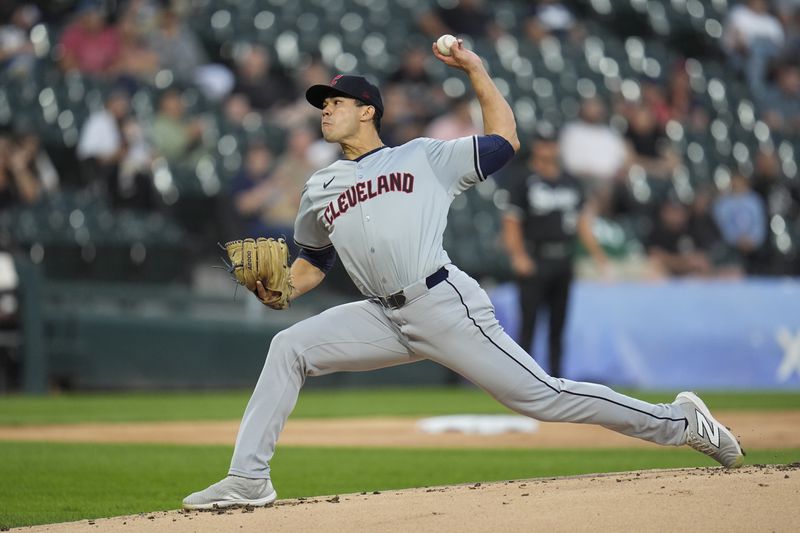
x=494 y=151
x=322 y=259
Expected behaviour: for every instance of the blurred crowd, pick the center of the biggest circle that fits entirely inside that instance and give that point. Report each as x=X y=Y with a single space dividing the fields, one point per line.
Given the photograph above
x=721 y=229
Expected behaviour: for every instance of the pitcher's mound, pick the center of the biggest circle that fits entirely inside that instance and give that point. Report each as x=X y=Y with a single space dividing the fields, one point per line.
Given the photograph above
x=753 y=498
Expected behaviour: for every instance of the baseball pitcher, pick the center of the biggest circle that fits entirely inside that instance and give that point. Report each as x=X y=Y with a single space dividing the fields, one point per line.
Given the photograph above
x=382 y=211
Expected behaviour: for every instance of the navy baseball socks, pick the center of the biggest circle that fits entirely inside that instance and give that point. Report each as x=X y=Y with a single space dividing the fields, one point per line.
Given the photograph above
x=233 y=491
x=705 y=434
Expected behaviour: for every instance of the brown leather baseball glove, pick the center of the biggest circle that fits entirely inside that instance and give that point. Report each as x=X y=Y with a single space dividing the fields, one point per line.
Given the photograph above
x=265 y=260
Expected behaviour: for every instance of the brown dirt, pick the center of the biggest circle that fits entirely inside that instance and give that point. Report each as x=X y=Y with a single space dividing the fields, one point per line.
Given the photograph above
x=774 y=429
x=709 y=499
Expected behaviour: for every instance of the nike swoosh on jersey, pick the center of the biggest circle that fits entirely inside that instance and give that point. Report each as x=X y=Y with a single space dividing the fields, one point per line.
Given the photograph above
x=325 y=185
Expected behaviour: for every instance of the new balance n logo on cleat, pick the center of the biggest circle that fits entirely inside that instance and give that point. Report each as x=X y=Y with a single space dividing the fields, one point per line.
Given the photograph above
x=703 y=424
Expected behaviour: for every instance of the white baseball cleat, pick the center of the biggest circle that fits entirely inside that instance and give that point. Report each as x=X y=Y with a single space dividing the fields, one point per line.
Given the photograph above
x=705 y=434
x=231 y=492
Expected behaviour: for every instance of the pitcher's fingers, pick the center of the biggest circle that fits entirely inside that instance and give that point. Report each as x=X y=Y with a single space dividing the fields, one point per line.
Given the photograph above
x=262 y=292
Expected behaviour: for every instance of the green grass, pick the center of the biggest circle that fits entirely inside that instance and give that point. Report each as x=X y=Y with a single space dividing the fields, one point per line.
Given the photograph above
x=132 y=407
x=45 y=483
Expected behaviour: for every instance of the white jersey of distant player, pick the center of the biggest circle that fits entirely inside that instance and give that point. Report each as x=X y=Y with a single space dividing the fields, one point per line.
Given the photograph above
x=385 y=212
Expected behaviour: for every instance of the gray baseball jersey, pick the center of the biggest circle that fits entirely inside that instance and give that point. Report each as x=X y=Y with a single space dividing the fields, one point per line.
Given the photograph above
x=385 y=214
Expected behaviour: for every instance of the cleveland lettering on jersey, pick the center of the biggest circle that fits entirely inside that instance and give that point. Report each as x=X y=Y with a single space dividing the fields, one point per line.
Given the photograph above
x=367 y=190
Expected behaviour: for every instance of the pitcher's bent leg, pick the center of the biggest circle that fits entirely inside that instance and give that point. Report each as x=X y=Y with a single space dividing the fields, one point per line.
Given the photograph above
x=350 y=337
x=473 y=343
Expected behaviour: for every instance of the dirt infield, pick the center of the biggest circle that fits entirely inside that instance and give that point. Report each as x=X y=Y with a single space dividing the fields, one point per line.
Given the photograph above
x=772 y=429
x=754 y=498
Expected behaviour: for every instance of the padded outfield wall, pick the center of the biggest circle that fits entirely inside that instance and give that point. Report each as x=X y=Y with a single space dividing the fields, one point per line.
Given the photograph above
x=677 y=334
x=669 y=335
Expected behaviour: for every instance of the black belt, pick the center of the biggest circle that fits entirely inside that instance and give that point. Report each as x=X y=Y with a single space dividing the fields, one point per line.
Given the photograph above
x=398 y=299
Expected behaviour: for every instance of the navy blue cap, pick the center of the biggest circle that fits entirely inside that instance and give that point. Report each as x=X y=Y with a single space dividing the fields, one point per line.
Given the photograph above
x=348 y=86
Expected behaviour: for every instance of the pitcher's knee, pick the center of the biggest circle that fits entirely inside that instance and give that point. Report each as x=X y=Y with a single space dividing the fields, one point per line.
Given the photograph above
x=285 y=348
x=293 y=339
x=283 y=341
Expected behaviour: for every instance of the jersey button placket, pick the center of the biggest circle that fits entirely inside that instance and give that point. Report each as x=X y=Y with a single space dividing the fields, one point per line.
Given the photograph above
x=366 y=224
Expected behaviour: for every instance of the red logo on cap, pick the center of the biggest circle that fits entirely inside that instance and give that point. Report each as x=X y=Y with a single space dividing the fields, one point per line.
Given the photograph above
x=335 y=79
x=365 y=95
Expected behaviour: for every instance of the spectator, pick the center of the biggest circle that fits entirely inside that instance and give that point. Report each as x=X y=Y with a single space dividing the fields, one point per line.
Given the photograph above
x=412 y=69
x=114 y=155
x=235 y=110
x=402 y=130
x=786 y=9
x=298 y=112
x=647 y=145
x=741 y=217
x=89 y=45
x=590 y=148
x=776 y=89
x=181 y=52
x=465 y=17
x=681 y=100
x=747 y=23
x=144 y=14
x=315 y=72
x=671 y=249
x=135 y=177
x=295 y=166
x=246 y=125
x=679 y=92
x=17 y=55
x=174 y=135
x=702 y=227
x=413 y=78
x=780 y=196
x=456 y=123
x=790 y=16
x=19 y=183
x=398 y=111
x=265 y=86
x=100 y=146
x=260 y=197
x=654 y=98
x=29 y=150
x=551 y=18
x=547 y=210
x=705 y=234
x=137 y=60
x=291 y=173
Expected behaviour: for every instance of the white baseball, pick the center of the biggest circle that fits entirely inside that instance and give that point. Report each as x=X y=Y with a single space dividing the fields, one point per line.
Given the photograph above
x=444 y=43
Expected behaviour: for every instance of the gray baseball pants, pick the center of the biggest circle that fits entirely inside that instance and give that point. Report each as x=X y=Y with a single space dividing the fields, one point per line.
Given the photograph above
x=452 y=324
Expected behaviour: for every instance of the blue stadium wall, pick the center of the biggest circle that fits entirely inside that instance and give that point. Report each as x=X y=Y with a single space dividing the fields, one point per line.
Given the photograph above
x=676 y=334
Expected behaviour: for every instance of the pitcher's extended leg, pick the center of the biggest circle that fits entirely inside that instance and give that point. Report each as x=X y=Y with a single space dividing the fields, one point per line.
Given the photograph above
x=469 y=340
x=351 y=337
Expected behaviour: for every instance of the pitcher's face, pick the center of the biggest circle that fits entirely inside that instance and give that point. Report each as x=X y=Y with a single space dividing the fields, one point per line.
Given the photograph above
x=340 y=118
